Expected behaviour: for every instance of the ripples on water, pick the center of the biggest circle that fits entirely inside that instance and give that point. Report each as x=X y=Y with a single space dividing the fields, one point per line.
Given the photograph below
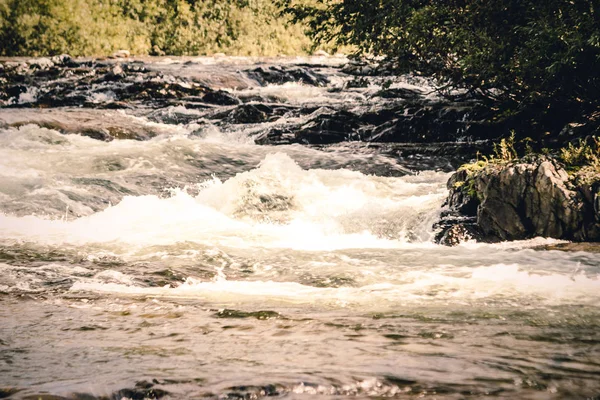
x=199 y=265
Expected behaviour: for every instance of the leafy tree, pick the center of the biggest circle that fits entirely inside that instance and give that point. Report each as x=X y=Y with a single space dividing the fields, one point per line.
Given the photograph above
x=518 y=54
x=157 y=27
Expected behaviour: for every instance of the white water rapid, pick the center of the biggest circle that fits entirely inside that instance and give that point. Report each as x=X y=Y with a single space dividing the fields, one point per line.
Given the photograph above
x=197 y=264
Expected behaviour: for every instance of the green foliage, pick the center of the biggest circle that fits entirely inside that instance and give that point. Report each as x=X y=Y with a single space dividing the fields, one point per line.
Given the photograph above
x=516 y=53
x=505 y=150
x=585 y=154
x=472 y=170
x=155 y=27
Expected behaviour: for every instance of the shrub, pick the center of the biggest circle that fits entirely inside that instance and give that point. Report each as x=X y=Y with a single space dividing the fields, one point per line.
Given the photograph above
x=156 y=27
x=584 y=154
x=518 y=54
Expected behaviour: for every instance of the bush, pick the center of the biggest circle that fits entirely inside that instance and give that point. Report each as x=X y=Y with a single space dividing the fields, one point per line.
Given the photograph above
x=585 y=154
x=155 y=27
x=519 y=54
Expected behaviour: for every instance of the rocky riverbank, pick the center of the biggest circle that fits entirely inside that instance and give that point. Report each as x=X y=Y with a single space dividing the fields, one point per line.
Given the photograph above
x=367 y=108
x=321 y=102
x=521 y=199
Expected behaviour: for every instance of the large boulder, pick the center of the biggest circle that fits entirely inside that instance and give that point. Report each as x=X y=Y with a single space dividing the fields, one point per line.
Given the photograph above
x=521 y=200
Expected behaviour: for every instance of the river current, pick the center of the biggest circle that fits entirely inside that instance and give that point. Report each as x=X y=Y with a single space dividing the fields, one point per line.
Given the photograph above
x=198 y=264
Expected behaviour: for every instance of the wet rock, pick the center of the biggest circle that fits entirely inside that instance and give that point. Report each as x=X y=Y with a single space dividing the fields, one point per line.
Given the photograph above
x=140 y=393
x=96 y=84
x=247 y=392
x=421 y=123
x=220 y=97
x=253 y=113
x=250 y=114
x=13 y=92
x=7 y=392
x=455 y=229
x=360 y=68
x=521 y=200
x=588 y=247
x=328 y=128
x=98 y=134
x=399 y=93
x=281 y=74
x=115 y=73
x=40 y=63
x=122 y=54
x=63 y=59
x=325 y=127
x=276 y=136
x=157 y=89
x=261 y=315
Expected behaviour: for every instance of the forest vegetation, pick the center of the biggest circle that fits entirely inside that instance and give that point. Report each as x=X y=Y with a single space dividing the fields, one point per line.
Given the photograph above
x=538 y=60
x=147 y=27
x=535 y=64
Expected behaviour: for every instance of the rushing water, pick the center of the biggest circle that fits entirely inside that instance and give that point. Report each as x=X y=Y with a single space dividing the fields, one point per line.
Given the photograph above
x=197 y=264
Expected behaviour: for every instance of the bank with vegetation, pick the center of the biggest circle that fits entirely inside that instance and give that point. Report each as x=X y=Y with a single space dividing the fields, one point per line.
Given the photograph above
x=535 y=66
x=147 y=27
x=511 y=197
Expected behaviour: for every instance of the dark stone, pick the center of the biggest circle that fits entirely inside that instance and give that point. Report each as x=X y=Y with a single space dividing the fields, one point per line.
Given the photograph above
x=261 y=315
x=329 y=128
x=7 y=392
x=326 y=127
x=220 y=97
x=276 y=136
x=98 y=134
x=360 y=68
x=421 y=123
x=588 y=247
x=13 y=91
x=140 y=393
x=457 y=233
x=249 y=114
x=399 y=93
x=282 y=74
x=461 y=201
x=63 y=59
x=115 y=73
x=247 y=392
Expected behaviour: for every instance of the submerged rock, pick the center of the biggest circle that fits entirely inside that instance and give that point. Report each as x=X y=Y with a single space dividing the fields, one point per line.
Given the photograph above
x=520 y=200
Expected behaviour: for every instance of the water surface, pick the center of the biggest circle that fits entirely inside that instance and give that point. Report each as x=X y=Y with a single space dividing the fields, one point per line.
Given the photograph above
x=197 y=264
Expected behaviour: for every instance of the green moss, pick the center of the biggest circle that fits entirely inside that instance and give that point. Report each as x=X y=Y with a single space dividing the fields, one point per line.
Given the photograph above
x=458 y=184
x=581 y=161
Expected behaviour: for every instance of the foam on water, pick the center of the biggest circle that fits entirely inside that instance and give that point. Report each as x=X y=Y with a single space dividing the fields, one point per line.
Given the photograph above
x=118 y=258
x=502 y=283
x=277 y=204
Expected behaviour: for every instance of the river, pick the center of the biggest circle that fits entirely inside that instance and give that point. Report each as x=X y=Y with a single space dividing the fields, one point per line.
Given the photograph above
x=198 y=264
